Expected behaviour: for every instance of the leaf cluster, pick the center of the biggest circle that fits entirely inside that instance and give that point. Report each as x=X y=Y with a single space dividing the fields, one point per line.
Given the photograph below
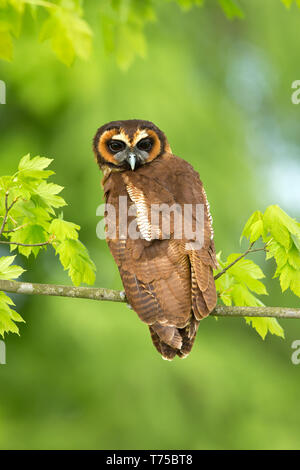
x=29 y=223
x=241 y=284
x=122 y=23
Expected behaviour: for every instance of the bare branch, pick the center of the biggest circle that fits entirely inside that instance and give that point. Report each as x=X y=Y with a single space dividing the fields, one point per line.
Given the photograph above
x=94 y=293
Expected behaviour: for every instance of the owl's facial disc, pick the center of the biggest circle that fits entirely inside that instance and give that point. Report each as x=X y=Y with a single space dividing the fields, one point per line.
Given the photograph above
x=132 y=154
x=126 y=148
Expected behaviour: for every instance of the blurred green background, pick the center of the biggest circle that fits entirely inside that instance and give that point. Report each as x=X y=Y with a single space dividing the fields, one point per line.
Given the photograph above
x=84 y=374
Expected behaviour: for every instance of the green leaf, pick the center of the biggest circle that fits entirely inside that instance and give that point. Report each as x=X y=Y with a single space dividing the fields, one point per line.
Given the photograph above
x=278 y=252
x=188 y=4
x=234 y=288
x=255 y=218
x=281 y=225
x=30 y=173
x=35 y=164
x=47 y=195
x=30 y=234
x=75 y=258
x=5 y=183
x=131 y=42
x=26 y=212
x=8 y=316
x=242 y=297
x=70 y=35
x=7 y=271
x=257 y=230
x=226 y=298
x=63 y=229
x=63 y=47
x=295 y=283
x=296 y=240
x=6 y=46
x=280 y=234
x=294 y=257
x=287 y=275
x=265 y=325
x=231 y=9
x=287 y=3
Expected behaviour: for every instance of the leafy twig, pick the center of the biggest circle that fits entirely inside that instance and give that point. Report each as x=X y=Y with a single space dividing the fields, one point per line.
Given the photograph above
x=239 y=258
x=15 y=229
x=24 y=244
x=7 y=209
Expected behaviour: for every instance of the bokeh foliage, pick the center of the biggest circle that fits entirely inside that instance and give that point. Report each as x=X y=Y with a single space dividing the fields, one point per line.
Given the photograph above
x=84 y=375
x=122 y=22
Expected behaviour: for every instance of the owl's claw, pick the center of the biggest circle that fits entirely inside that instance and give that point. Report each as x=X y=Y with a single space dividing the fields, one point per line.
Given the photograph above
x=123 y=295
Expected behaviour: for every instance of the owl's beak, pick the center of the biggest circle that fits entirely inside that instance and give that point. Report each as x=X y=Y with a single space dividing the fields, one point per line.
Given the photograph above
x=132 y=160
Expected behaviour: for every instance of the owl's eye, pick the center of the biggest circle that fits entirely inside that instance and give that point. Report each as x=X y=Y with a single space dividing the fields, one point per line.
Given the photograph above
x=145 y=144
x=116 y=146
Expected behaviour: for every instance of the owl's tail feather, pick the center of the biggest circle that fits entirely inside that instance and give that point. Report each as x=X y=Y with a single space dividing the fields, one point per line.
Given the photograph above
x=166 y=351
x=188 y=338
x=180 y=343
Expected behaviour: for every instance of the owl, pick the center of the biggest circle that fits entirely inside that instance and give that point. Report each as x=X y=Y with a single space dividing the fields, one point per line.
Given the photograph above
x=165 y=259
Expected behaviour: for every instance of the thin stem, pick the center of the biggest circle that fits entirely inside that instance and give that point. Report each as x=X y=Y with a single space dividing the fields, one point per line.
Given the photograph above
x=239 y=258
x=24 y=244
x=7 y=209
x=6 y=213
x=15 y=229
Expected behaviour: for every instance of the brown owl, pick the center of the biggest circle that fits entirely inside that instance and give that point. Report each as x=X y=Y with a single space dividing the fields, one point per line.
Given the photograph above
x=165 y=258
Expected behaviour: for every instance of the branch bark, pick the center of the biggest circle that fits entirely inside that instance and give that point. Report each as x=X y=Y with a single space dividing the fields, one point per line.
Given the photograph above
x=94 y=293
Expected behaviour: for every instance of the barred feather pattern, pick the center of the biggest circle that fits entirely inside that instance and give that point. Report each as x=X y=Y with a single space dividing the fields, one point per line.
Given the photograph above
x=170 y=286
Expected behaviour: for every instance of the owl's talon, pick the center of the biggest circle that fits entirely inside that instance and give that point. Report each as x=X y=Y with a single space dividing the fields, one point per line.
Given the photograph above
x=123 y=295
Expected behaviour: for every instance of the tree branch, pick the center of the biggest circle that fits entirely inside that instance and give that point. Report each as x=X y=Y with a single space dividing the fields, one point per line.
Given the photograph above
x=94 y=293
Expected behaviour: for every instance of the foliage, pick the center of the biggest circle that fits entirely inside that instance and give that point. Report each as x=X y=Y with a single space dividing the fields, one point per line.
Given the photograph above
x=281 y=237
x=122 y=24
x=60 y=22
x=281 y=234
x=28 y=204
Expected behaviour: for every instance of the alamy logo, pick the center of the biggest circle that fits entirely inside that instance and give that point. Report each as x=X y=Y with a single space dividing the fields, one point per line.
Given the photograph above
x=2 y=92
x=296 y=354
x=2 y=353
x=296 y=94
x=158 y=221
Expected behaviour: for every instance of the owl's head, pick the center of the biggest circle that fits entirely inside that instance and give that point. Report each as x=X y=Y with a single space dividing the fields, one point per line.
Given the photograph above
x=127 y=145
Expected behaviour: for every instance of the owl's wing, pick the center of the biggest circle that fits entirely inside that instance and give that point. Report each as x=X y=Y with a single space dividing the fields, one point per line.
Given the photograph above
x=183 y=189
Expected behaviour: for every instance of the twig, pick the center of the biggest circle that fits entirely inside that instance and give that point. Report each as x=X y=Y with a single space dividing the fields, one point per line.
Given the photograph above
x=239 y=258
x=24 y=244
x=94 y=293
x=7 y=209
x=15 y=229
x=6 y=213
